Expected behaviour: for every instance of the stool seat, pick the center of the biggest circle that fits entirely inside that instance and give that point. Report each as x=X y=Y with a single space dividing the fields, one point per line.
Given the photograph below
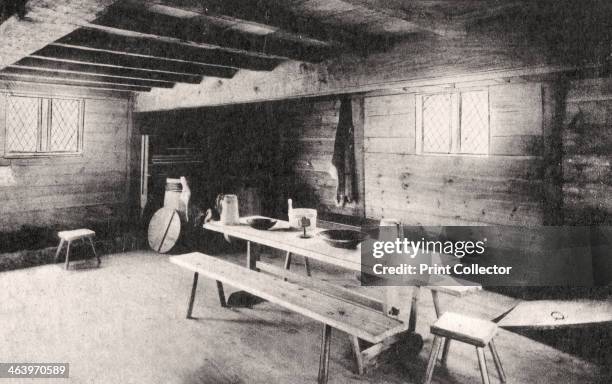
x=474 y=331
x=76 y=234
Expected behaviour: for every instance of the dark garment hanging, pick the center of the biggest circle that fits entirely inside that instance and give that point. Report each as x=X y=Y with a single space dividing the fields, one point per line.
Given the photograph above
x=344 y=155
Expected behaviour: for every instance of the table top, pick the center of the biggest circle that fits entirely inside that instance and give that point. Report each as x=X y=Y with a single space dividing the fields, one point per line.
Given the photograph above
x=282 y=237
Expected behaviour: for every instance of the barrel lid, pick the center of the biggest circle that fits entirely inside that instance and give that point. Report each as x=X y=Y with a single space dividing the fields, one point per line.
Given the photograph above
x=164 y=230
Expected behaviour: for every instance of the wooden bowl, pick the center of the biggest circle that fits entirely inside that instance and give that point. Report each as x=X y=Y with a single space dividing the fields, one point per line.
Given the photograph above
x=261 y=223
x=343 y=238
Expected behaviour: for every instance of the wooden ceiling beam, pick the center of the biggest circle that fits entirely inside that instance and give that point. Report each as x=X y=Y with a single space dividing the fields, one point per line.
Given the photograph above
x=219 y=30
x=491 y=12
x=115 y=39
x=288 y=18
x=125 y=59
x=21 y=37
x=71 y=75
x=102 y=69
x=72 y=83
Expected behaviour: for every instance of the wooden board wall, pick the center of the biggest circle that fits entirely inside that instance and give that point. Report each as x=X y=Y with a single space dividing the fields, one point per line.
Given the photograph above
x=70 y=191
x=308 y=130
x=504 y=187
x=587 y=153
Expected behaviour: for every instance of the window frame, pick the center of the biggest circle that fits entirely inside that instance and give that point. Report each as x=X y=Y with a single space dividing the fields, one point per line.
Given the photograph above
x=455 y=122
x=44 y=126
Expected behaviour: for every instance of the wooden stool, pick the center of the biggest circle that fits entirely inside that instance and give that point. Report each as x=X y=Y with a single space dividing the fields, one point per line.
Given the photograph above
x=69 y=237
x=477 y=332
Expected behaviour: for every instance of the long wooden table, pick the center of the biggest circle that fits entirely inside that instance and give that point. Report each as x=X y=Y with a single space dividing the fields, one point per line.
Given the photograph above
x=288 y=240
x=283 y=238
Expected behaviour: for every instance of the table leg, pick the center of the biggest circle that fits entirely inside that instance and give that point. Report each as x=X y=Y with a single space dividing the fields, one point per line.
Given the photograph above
x=436 y=303
x=251 y=259
x=307 y=265
x=413 y=309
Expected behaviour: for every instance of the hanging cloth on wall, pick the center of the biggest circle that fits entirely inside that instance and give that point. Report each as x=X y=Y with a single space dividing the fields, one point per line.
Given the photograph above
x=343 y=160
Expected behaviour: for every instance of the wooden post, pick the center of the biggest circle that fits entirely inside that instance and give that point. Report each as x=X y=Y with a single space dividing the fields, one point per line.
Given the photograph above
x=192 y=296
x=144 y=172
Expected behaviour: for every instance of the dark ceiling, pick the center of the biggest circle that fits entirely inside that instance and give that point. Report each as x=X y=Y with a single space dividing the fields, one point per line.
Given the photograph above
x=137 y=45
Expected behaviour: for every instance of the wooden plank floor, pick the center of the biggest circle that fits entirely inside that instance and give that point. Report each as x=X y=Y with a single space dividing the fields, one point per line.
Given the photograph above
x=125 y=323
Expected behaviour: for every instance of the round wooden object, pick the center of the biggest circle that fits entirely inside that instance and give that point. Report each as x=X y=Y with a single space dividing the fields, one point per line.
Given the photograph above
x=164 y=230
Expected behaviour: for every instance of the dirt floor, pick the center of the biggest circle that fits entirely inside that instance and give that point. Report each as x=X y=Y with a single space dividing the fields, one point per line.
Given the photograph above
x=125 y=323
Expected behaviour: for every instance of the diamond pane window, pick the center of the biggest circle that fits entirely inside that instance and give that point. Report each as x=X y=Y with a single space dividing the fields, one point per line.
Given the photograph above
x=456 y=122
x=22 y=124
x=475 y=122
x=437 y=123
x=42 y=126
x=64 y=134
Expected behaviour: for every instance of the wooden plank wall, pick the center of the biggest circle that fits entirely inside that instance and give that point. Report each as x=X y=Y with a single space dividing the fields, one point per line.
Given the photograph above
x=587 y=153
x=70 y=191
x=308 y=130
x=504 y=187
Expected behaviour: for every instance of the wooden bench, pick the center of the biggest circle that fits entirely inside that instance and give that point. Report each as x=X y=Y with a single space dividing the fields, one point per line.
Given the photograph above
x=355 y=319
x=367 y=357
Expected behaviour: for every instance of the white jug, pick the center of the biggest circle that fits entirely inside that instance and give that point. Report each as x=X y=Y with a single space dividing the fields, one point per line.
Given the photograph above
x=227 y=205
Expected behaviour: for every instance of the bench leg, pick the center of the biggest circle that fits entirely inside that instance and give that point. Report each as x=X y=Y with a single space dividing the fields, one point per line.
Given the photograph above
x=59 y=249
x=192 y=296
x=482 y=363
x=93 y=248
x=357 y=353
x=67 y=255
x=497 y=361
x=287 y=265
x=307 y=265
x=221 y=294
x=324 y=359
x=433 y=357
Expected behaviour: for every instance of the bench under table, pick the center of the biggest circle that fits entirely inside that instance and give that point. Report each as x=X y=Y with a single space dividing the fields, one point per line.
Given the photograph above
x=354 y=319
